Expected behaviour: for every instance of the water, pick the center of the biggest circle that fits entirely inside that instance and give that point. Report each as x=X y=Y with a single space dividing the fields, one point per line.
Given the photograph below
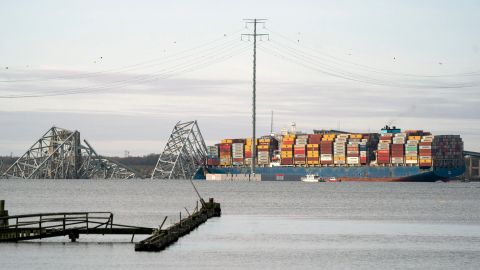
x=266 y=225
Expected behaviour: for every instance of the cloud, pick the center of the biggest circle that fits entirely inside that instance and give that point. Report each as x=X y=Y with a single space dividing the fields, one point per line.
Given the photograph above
x=138 y=115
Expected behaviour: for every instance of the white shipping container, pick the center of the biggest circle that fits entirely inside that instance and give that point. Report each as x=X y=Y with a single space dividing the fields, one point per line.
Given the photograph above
x=397 y=160
x=339 y=162
x=411 y=161
x=425 y=147
x=353 y=160
x=425 y=157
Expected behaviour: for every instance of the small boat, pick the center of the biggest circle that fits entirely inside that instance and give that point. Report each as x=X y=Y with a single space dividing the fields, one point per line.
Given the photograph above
x=312 y=178
x=333 y=179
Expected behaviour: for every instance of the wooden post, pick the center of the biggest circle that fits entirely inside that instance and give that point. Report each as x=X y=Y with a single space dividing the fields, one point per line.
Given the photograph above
x=470 y=168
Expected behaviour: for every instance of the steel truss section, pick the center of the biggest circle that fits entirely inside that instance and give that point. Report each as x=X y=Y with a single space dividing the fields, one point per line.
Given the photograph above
x=58 y=154
x=184 y=154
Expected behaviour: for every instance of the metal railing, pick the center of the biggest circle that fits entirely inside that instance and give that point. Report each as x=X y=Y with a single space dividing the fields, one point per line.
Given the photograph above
x=37 y=226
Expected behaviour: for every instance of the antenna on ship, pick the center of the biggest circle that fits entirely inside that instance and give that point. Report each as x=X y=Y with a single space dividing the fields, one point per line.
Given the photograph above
x=293 y=127
x=254 y=35
x=271 y=124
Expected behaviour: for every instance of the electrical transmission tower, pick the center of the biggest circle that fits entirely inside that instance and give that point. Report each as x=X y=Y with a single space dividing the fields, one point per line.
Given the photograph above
x=254 y=35
x=184 y=154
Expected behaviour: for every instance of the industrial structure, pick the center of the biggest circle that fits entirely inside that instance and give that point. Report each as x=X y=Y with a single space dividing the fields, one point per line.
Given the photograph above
x=472 y=162
x=59 y=154
x=184 y=154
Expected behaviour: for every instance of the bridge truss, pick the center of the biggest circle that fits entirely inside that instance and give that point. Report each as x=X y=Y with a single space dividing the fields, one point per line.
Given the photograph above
x=59 y=154
x=184 y=153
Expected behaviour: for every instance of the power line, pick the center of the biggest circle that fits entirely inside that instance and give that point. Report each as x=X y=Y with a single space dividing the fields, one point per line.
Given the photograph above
x=326 y=56
x=306 y=60
x=199 y=63
x=225 y=39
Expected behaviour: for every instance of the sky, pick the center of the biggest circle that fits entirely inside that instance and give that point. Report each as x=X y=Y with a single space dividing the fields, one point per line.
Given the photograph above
x=124 y=72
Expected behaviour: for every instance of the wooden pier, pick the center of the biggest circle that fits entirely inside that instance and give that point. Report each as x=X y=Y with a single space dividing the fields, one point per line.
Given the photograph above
x=72 y=224
x=161 y=239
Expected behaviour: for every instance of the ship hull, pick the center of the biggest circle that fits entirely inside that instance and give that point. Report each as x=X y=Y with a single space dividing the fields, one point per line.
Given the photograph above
x=358 y=174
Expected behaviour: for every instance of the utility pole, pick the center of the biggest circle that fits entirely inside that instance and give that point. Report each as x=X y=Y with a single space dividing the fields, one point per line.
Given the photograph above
x=254 y=35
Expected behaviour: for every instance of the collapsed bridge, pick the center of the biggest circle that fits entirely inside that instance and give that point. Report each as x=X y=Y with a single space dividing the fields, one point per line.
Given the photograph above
x=60 y=154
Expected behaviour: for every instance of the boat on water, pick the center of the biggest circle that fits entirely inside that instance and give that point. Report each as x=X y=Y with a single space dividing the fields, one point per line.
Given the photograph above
x=390 y=155
x=334 y=179
x=312 y=178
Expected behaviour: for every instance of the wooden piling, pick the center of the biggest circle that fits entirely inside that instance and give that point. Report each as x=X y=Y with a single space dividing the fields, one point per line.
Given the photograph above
x=161 y=239
x=3 y=213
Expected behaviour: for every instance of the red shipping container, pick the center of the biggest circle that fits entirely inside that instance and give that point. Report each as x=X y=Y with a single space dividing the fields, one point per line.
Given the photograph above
x=286 y=161
x=425 y=143
x=425 y=152
x=213 y=161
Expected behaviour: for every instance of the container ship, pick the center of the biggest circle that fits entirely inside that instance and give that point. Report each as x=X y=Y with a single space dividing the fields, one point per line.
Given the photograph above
x=390 y=155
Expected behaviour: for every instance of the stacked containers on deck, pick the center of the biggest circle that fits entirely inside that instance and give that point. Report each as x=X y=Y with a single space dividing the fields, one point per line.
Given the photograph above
x=266 y=146
x=248 y=151
x=425 y=151
x=363 y=148
x=226 y=152
x=313 y=149
x=238 y=147
x=398 y=148
x=447 y=151
x=286 y=152
x=353 y=149
x=411 y=149
x=326 y=149
x=299 y=150
x=212 y=155
x=383 y=149
x=339 y=149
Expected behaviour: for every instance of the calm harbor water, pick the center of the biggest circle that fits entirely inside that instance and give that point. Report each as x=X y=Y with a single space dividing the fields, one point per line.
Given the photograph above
x=265 y=225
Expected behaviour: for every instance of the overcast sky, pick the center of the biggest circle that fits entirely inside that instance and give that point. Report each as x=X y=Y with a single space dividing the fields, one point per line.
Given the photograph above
x=144 y=65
